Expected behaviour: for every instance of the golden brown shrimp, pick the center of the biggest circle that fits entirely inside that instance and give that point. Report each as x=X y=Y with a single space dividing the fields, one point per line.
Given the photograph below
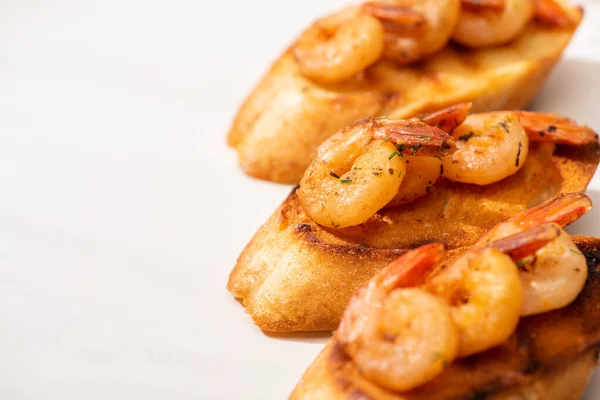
x=421 y=176
x=489 y=148
x=414 y=29
x=481 y=26
x=408 y=323
x=547 y=127
x=400 y=337
x=485 y=295
x=554 y=274
x=337 y=47
x=358 y=170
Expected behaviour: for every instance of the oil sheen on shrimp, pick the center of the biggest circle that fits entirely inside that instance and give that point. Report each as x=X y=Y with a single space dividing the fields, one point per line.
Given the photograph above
x=337 y=47
x=421 y=175
x=400 y=337
x=489 y=147
x=555 y=274
x=360 y=169
x=480 y=26
x=485 y=295
x=414 y=29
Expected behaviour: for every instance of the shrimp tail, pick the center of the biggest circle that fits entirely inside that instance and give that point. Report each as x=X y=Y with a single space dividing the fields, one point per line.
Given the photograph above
x=547 y=127
x=562 y=210
x=482 y=5
x=414 y=137
x=447 y=119
x=412 y=268
x=551 y=13
x=524 y=244
x=395 y=19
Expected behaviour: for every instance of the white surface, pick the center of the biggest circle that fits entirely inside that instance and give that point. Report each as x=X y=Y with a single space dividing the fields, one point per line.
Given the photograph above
x=122 y=211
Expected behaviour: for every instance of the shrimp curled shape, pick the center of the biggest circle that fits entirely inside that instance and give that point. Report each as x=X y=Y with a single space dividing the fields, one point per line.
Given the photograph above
x=337 y=47
x=360 y=169
x=400 y=338
x=414 y=29
x=553 y=275
x=488 y=23
x=485 y=295
x=489 y=147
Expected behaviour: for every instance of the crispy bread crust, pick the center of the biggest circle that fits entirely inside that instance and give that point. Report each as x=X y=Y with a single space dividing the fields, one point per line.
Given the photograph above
x=287 y=116
x=550 y=356
x=296 y=275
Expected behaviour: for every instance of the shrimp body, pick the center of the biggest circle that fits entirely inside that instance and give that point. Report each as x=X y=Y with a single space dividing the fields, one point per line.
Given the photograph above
x=400 y=337
x=414 y=29
x=411 y=345
x=421 y=175
x=337 y=47
x=489 y=147
x=485 y=27
x=485 y=295
x=360 y=169
x=554 y=275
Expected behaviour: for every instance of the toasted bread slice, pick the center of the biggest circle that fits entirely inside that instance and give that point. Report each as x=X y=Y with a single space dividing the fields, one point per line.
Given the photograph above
x=296 y=275
x=550 y=356
x=287 y=115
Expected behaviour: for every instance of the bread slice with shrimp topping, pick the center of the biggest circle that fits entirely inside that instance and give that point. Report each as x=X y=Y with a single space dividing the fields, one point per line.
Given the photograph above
x=297 y=275
x=291 y=111
x=550 y=356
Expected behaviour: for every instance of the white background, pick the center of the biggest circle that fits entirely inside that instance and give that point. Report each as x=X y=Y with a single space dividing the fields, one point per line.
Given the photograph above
x=121 y=209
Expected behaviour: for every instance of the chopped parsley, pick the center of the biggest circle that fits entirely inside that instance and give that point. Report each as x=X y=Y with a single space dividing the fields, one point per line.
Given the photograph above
x=465 y=138
x=345 y=180
x=503 y=125
x=551 y=128
x=392 y=155
x=424 y=137
x=518 y=155
x=336 y=176
x=415 y=148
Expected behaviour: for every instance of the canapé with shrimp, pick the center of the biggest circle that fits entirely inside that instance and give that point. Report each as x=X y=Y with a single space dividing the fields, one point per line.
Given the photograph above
x=398 y=58
x=473 y=326
x=383 y=186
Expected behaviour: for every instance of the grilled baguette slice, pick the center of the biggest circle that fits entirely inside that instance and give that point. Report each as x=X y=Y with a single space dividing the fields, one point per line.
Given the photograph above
x=287 y=116
x=550 y=356
x=296 y=275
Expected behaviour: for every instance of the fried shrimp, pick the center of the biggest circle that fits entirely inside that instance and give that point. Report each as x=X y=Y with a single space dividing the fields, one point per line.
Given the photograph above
x=489 y=148
x=337 y=47
x=360 y=169
x=412 y=319
x=400 y=337
x=485 y=295
x=414 y=29
x=484 y=26
x=555 y=274
x=421 y=175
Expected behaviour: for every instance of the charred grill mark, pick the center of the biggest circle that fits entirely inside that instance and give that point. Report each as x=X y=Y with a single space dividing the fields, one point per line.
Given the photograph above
x=302 y=228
